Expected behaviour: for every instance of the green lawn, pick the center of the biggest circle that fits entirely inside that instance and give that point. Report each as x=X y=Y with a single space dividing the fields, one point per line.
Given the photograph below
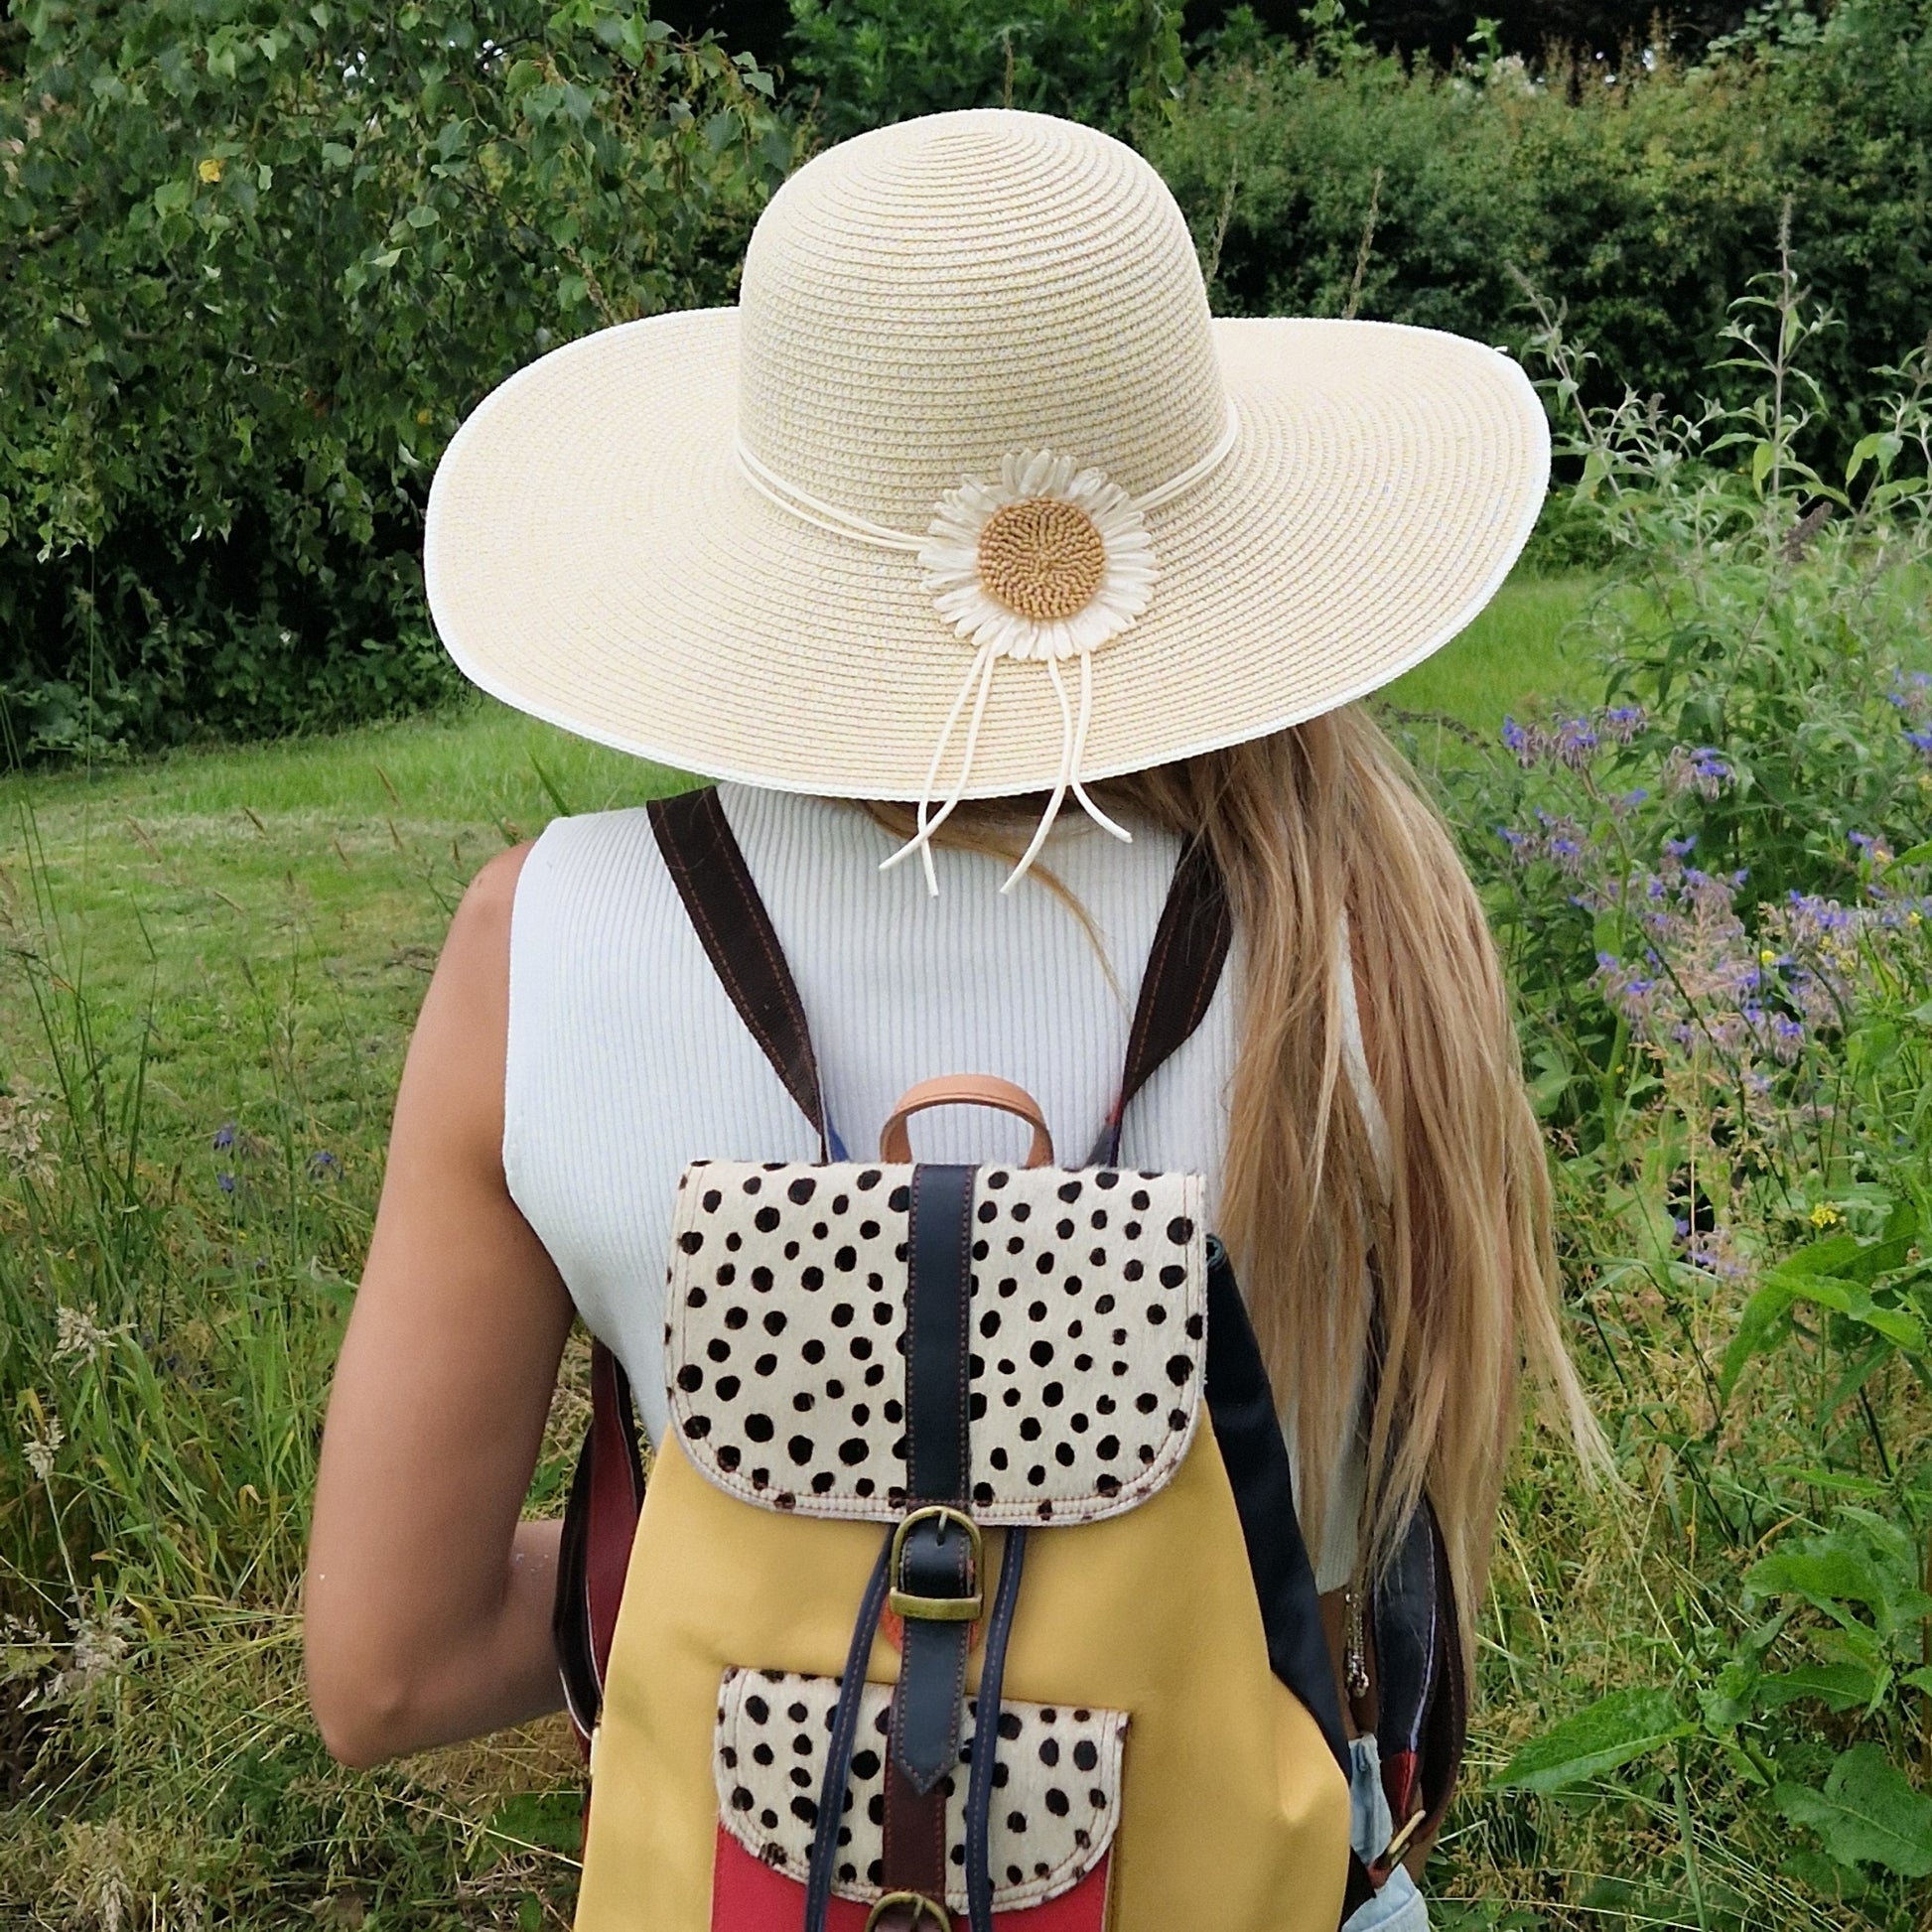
x=331 y=864
x=1519 y=655
x=212 y=964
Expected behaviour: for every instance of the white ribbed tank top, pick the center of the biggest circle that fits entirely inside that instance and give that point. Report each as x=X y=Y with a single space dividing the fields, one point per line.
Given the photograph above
x=627 y=1059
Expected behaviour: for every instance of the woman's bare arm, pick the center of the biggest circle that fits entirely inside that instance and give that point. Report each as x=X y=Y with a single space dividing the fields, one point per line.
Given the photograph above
x=428 y=1604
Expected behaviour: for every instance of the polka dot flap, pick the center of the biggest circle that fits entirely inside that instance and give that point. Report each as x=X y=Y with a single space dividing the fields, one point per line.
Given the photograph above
x=1056 y=1787
x=786 y=1338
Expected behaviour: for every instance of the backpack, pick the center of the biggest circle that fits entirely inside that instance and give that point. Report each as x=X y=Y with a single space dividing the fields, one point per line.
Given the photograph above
x=951 y=1441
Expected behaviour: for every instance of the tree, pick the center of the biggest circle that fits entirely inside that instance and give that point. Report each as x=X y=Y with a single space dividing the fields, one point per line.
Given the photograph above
x=258 y=262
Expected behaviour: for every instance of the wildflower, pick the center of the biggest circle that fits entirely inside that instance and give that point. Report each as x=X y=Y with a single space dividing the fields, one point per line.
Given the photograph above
x=42 y=1445
x=24 y=1124
x=321 y=1162
x=1716 y=1252
x=1576 y=738
x=1825 y=1215
x=78 y=1331
x=225 y=1136
x=100 y=1645
x=1911 y=693
x=211 y=169
x=225 y=1181
x=1703 y=770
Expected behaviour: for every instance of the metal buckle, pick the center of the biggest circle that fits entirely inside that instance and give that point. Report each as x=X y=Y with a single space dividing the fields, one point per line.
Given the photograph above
x=937 y=1609
x=923 y=1909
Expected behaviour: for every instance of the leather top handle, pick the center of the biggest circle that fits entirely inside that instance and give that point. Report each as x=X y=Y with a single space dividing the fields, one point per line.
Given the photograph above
x=965 y=1090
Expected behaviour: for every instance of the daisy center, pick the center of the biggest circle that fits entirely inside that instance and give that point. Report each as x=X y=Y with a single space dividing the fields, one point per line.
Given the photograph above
x=1043 y=558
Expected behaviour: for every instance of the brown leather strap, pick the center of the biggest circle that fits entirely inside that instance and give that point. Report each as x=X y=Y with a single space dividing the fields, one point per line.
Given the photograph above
x=598 y=1529
x=965 y=1090
x=913 y=1855
x=1184 y=968
x=712 y=879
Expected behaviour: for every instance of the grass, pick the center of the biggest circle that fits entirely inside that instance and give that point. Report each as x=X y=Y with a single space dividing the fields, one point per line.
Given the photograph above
x=212 y=962
x=1521 y=654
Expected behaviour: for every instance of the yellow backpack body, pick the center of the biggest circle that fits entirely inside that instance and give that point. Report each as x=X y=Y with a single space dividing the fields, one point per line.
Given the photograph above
x=1211 y=1797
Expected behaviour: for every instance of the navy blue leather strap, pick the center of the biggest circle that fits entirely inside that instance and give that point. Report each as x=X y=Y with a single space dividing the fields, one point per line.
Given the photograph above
x=939 y=1295
x=1248 y=1433
x=935 y=1559
x=986 y=1734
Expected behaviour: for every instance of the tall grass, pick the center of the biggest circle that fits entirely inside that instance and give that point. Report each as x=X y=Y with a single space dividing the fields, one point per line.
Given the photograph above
x=213 y=966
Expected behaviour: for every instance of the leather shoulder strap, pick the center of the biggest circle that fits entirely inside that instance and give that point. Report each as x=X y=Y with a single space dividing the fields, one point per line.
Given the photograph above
x=1183 y=969
x=709 y=870
x=600 y=1524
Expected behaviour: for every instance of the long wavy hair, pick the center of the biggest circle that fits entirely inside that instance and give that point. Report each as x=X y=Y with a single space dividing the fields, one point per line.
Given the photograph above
x=1311 y=827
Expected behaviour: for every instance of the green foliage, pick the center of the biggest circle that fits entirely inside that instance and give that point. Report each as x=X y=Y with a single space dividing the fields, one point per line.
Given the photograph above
x=1867 y=1814
x=1612 y=1731
x=1713 y=892
x=873 y=62
x=1648 y=195
x=258 y=264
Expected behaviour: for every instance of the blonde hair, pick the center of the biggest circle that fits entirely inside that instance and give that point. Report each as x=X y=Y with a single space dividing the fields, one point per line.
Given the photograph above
x=1309 y=826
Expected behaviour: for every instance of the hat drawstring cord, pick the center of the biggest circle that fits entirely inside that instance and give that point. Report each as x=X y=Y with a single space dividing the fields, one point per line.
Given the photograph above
x=1092 y=810
x=978 y=686
x=979 y=674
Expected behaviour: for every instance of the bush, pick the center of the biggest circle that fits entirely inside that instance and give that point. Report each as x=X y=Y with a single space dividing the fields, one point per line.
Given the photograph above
x=1642 y=199
x=258 y=265
x=873 y=62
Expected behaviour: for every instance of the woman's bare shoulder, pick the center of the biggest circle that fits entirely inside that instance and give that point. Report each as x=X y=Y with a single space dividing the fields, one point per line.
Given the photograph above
x=453 y=1083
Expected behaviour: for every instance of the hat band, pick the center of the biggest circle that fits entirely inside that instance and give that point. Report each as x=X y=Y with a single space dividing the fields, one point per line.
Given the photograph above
x=1051 y=562
x=786 y=495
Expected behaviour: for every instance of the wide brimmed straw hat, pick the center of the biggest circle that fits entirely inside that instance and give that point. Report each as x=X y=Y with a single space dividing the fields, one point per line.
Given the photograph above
x=970 y=496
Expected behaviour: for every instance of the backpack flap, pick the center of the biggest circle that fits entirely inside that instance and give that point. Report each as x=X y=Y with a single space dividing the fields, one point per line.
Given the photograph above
x=787 y=1337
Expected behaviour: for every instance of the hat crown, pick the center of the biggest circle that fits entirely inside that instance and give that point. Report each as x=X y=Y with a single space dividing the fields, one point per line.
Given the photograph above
x=923 y=300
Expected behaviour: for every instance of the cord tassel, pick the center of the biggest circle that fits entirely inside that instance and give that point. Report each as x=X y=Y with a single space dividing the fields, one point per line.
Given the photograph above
x=1052 y=810
x=1087 y=805
x=980 y=675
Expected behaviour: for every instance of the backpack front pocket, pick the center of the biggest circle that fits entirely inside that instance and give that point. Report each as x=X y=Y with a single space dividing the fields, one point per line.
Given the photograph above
x=1056 y=1782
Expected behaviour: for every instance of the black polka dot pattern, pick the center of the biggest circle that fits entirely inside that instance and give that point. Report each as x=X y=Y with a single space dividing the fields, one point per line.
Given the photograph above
x=785 y=1343
x=1056 y=1785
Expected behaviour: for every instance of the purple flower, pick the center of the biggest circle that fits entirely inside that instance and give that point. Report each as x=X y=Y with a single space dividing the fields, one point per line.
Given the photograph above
x=323 y=1162
x=1575 y=740
x=225 y=1136
x=1703 y=770
x=1911 y=693
x=225 y=1181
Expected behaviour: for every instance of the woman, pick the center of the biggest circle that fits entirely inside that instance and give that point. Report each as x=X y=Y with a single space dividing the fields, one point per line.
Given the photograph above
x=970 y=504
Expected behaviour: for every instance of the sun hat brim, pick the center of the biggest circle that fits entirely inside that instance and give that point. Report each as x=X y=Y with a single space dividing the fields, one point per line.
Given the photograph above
x=593 y=556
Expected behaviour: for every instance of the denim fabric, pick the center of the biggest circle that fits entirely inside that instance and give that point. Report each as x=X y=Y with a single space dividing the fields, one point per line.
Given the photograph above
x=1398 y=1906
